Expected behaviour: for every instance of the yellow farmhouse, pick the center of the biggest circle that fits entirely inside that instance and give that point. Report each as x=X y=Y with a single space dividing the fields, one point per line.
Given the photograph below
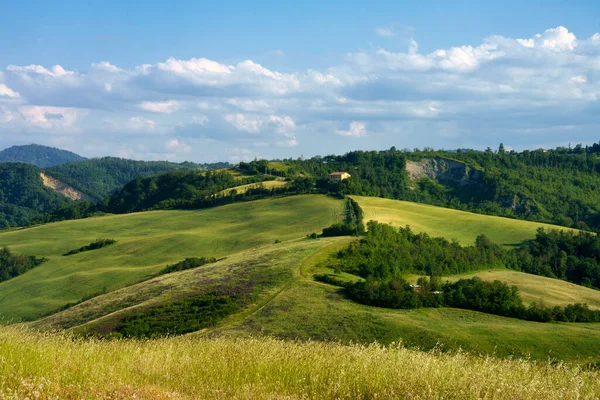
x=336 y=177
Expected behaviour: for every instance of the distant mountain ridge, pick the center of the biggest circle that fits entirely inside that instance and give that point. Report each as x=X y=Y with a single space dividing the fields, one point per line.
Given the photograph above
x=38 y=155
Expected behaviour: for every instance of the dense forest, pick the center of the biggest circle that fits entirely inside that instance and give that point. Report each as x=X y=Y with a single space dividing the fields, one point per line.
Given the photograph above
x=25 y=200
x=99 y=177
x=41 y=156
x=388 y=253
x=23 y=196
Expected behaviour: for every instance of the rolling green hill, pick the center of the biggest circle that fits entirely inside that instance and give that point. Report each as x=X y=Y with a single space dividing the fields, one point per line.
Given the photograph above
x=448 y=223
x=146 y=242
x=40 y=156
x=284 y=300
x=289 y=304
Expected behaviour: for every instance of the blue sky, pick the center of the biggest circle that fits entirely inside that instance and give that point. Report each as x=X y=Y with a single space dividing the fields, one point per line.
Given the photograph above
x=237 y=80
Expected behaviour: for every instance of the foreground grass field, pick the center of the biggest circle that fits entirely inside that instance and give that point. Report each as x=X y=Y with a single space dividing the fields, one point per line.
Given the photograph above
x=56 y=366
x=448 y=223
x=146 y=242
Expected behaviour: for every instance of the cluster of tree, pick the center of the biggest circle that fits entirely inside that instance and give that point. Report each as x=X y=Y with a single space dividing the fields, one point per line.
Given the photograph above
x=99 y=177
x=495 y=297
x=567 y=255
x=41 y=156
x=23 y=196
x=95 y=245
x=386 y=252
x=12 y=265
x=180 y=317
x=188 y=263
x=342 y=229
x=255 y=167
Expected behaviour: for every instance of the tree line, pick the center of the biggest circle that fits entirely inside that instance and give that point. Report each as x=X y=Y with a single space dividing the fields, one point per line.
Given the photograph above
x=12 y=265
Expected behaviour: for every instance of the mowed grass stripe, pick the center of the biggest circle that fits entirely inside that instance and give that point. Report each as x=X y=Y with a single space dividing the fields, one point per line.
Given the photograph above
x=146 y=242
x=451 y=224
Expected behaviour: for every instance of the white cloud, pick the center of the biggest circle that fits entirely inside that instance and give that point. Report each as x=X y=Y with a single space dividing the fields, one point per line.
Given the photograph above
x=177 y=146
x=5 y=115
x=7 y=92
x=386 y=32
x=357 y=129
x=243 y=122
x=578 y=79
x=162 y=107
x=141 y=123
x=50 y=117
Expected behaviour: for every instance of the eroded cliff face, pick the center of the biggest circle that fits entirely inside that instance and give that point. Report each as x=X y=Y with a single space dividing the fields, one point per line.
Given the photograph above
x=444 y=171
x=63 y=188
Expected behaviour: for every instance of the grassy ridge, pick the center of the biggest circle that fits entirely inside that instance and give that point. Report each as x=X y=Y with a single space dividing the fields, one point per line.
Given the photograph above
x=262 y=272
x=222 y=368
x=146 y=242
x=448 y=223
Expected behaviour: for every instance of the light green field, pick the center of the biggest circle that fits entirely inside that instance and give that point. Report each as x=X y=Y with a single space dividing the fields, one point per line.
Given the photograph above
x=448 y=223
x=244 y=188
x=146 y=242
x=533 y=288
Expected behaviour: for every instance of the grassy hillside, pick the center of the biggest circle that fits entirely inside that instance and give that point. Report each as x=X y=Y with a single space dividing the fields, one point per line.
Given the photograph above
x=289 y=304
x=262 y=272
x=448 y=223
x=244 y=188
x=55 y=366
x=146 y=242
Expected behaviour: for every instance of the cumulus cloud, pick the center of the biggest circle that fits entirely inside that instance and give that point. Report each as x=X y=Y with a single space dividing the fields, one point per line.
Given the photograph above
x=5 y=91
x=357 y=129
x=50 y=117
x=162 y=107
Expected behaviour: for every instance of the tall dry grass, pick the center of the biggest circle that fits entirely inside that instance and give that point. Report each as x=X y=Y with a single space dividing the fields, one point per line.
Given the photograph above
x=44 y=366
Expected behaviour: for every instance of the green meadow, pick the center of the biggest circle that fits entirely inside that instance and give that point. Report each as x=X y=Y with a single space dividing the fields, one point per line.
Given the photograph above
x=146 y=242
x=448 y=223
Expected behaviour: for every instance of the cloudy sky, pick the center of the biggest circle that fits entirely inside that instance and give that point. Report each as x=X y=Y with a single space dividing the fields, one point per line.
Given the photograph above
x=234 y=81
